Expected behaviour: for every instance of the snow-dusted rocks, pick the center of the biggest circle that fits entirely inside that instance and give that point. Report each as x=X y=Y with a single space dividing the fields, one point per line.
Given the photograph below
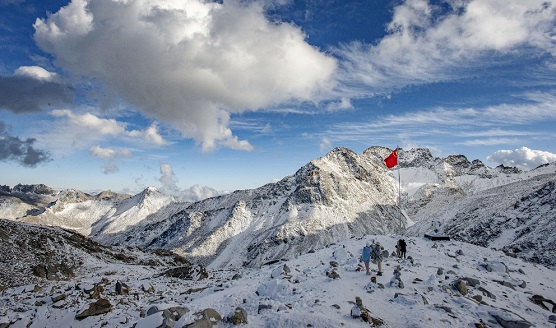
x=301 y=297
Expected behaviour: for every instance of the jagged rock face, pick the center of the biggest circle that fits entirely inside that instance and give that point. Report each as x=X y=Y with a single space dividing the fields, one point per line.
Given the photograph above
x=39 y=189
x=331 y=198
x=525 y=228
x=32 y=253
x=337 y=196
x=418 y=157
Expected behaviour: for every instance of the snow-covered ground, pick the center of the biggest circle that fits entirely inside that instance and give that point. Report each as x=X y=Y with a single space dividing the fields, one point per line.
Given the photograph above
x=304 y=292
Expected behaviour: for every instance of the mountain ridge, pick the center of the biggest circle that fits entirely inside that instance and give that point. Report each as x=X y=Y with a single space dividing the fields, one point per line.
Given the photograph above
x=340 y=195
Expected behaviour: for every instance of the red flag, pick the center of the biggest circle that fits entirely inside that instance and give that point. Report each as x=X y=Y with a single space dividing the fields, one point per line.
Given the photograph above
x=392 y=159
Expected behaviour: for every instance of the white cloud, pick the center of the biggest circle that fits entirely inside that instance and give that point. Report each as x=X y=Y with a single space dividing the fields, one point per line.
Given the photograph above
x=189 y=63
x=150 y=135
x=109 y=157
x=108 y=153
x=168 y=180
x=509 y=124
x=92 y=122
x=425 y=44
x=523 y=157
x=90 y=126
x=325 y=144
x=36 y=72
x=343 y=104
x=193 y=194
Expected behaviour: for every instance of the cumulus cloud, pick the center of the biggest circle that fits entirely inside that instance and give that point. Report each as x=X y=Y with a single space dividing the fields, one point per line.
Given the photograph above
x=523 y=157
x=109 y=157
x=168 y=180
x=108 y=153
x=95 y=125
x=188 y=63
x=21 y=151
x=169 y=187
x=32 y=88
x=426 y=43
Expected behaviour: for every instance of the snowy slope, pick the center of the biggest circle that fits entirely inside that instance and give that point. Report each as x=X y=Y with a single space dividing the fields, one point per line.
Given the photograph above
x=314 y=289
x=331 y=198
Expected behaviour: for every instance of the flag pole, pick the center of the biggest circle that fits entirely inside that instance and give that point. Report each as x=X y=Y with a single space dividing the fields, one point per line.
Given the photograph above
x=399 y=186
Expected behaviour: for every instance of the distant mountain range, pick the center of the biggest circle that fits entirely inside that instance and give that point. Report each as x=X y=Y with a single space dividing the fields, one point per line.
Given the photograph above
x=336 y=197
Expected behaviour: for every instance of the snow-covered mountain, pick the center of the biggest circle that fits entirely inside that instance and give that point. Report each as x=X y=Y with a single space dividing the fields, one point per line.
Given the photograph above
x=440 y=284
x=333 y=198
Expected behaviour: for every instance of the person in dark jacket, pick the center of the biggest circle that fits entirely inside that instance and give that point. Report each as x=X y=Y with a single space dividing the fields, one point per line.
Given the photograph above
x=403 y=248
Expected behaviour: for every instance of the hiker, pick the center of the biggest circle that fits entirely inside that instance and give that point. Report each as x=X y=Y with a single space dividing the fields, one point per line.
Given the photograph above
x=377 y=256
x=403 y=248
x=366 y=256
x=398 y=248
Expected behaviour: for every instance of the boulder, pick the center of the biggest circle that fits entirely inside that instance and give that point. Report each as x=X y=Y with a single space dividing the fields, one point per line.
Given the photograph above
x=99 y=307
x=238 y=317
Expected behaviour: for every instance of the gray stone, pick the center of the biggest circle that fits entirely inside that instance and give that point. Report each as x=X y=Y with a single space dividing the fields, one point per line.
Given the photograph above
x=471 y=281
x=510 y=323
x=264 y=307
x=239 y=317
x=99 y=307
x=211 y=315
x=486 y=293
x=461 y=287
x=201 y=323
x=287 y=269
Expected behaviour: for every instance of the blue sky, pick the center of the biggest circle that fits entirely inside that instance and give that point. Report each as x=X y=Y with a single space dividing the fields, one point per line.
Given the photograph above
x=195 y=96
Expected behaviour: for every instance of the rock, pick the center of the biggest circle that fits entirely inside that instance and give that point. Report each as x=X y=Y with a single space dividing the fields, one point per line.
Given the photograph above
x=486 y=293
x=540 y=300
x=97 y=292
x=505 y=283
x=201 y=323
x=122 y=288
x=177 y=311
x=210 y=315
x=287 y=269
x=355 y=312
x=333 y=274
x=358 y=301
x=461 y=287
x=443 y=307
x=187 y=272
x=459 y=252
x=99 y=307
x=471 y=281
x=238 y=317
x=511 y=323
x=477 y=298
x=439 y=272
x=264 y=307
x=58 y=298
x=552 y=318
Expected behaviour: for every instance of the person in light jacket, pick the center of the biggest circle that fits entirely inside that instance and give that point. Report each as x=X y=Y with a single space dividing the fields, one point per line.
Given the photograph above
x=366 y=256
x=377 y=256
